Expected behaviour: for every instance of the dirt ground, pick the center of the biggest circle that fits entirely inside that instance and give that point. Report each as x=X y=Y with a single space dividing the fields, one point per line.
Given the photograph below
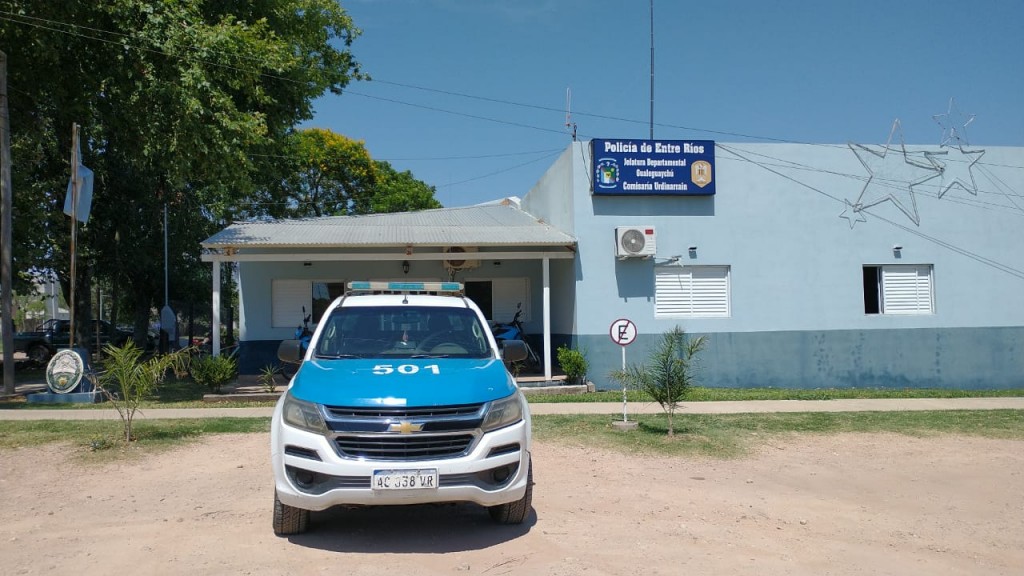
x=848 y=504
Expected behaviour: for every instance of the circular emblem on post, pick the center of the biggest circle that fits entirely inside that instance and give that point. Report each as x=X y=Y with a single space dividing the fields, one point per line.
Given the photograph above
x=64 y=372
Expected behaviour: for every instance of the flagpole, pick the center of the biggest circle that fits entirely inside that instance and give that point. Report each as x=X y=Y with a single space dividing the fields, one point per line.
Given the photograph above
x=74 y=224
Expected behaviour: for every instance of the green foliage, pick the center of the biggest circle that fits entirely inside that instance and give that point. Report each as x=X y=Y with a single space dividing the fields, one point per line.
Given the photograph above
x=213 y=371
x=327 y=174
x=183 y=104
x=126 y=379
x=573 y=363
x=670 y=373
x=400 y=191
x=268 y=378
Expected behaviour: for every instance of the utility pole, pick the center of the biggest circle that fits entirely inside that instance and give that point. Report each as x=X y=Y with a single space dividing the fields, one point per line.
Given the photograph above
x=5 y=235
x=652 y=69
x=74 y=228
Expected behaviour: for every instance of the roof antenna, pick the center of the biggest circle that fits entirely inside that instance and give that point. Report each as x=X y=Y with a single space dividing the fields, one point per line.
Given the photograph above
x=569 y=124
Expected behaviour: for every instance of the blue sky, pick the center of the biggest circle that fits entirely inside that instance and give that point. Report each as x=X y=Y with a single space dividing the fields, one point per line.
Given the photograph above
x=470 y=95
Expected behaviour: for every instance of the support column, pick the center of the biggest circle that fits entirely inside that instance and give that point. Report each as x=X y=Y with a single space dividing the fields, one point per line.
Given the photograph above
x=215 y=318
x=546 y=266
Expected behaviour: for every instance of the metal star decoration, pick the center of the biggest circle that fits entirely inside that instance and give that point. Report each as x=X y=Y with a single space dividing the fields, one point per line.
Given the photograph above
x=852 y=213
x=954 y=126
x=956 y=165
x=955 y=162
x=893 y=174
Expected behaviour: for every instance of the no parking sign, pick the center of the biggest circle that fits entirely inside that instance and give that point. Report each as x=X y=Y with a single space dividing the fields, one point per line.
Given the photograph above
x=623 y=332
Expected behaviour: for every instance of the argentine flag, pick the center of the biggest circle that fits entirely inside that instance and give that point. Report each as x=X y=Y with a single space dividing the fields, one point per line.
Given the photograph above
x=85 y=178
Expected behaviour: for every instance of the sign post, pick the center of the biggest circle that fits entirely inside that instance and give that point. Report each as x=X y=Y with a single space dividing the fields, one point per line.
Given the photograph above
x=623 y=333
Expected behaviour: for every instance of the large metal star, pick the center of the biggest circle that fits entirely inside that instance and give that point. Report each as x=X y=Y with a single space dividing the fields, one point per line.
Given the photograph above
x=954 y=126
x=957 y=168
x=893 y=174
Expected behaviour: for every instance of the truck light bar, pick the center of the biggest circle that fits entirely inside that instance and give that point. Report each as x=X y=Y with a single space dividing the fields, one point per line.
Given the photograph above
x=405 y=287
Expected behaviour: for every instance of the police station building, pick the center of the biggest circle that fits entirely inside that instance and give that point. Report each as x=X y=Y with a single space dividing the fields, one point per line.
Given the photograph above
x=806 y=266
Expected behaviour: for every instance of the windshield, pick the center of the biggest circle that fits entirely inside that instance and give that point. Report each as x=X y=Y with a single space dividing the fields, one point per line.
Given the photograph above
x=403 y=332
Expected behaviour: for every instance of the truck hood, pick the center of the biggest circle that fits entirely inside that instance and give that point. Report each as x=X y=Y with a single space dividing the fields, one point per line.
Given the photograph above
x=408 y=382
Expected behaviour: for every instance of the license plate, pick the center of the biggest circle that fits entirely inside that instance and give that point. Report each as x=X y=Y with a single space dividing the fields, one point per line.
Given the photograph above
x=425 y=479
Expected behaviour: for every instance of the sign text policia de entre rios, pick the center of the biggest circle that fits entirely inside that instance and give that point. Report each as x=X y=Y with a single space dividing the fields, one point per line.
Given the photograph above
x=653 y=167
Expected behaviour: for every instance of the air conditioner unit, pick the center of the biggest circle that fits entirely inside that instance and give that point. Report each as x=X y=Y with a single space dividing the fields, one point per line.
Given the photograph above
x=634 y=242
x=460 y=262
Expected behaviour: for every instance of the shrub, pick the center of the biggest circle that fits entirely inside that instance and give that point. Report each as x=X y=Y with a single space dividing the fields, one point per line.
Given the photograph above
x=126 y=380
x=268 y=378
x=671 y=374
x=213 y=371
x=573 y=363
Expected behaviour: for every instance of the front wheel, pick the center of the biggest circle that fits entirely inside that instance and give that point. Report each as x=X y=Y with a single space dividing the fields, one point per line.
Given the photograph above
x=289 y=520
x=39 y=354
x=515 y=512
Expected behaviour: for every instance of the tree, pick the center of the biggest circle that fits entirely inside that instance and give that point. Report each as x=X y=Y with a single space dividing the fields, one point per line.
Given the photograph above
x=670 y=374
x=181 y=104
x=400 y=191
x=327 y=174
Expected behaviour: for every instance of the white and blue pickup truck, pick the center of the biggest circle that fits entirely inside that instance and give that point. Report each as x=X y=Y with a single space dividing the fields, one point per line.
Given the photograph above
x=402 y=397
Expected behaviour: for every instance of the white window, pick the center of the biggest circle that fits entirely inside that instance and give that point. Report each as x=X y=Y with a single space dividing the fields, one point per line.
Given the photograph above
x=898 y=289
x=499 y=298
x=691 y=291
x=290 y=296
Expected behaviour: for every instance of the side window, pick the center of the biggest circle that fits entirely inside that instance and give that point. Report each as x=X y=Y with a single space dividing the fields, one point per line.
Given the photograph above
x=691 y=292
x=899 y=289
x=499 y=298
x=289 y=296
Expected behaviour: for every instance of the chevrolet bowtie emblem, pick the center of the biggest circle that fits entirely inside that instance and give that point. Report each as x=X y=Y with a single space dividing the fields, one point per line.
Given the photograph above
x=405 y=427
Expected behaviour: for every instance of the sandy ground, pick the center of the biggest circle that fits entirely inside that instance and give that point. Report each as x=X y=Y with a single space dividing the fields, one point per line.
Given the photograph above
x=849 y=504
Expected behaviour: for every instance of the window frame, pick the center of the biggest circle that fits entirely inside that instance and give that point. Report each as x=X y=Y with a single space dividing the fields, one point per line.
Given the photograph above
x=695 y=295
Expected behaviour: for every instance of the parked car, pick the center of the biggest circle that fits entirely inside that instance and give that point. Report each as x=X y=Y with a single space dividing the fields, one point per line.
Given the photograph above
x=401 y=397
x=40 y=345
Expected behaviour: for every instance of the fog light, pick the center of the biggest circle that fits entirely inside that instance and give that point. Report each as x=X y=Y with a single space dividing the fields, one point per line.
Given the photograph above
x=500 y=474
x=303 y=478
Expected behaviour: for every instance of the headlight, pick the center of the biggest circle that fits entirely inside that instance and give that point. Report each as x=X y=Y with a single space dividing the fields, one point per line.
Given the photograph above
x=502 y=413
x=303 y=415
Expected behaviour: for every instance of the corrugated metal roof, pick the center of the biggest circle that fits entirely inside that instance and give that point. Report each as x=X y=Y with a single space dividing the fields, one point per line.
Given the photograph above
x=484 y=225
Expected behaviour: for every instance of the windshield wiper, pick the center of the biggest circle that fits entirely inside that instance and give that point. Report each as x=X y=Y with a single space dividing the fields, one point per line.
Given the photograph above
x=430 y=356
x=338 y=356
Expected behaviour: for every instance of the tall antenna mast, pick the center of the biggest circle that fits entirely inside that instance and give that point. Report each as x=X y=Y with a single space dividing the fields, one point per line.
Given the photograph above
x=569 y=124
x=652 y=69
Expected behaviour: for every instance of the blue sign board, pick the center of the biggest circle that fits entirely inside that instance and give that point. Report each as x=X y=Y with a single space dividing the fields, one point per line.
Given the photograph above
x=653 y=167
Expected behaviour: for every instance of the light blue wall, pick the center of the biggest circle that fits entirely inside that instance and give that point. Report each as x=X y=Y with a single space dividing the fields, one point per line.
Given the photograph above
x=797 y=310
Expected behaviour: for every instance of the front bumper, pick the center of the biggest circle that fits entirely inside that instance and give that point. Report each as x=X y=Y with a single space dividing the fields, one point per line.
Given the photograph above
x=309 y=473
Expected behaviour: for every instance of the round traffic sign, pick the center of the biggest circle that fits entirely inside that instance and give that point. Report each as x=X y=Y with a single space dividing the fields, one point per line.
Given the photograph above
x=623 y=332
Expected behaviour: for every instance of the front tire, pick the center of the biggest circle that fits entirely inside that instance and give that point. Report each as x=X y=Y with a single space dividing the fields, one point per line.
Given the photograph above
x=289 y=520
x=515 y=512
x=39 y=354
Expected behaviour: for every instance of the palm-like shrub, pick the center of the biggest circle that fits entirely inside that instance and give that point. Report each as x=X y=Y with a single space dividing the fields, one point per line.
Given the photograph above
x=126 y=380
x=669 y=374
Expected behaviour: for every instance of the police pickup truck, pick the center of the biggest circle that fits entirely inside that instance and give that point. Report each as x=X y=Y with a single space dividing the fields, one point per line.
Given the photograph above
x=402 y=397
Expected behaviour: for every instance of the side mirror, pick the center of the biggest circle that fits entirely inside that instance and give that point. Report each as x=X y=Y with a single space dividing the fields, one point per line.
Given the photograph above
x=513 y=351
x=290 y=351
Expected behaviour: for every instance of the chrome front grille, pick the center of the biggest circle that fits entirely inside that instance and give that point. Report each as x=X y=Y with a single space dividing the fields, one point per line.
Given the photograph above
x=404 y=433
x=404 y=446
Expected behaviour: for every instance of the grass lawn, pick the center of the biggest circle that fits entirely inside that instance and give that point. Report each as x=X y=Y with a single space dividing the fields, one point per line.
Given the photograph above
x=706 y=435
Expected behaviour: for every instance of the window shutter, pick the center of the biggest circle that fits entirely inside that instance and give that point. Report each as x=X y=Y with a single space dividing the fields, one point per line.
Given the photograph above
x=507 y=293
x=906 y=289
x=698 y=291
x=287 y=299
